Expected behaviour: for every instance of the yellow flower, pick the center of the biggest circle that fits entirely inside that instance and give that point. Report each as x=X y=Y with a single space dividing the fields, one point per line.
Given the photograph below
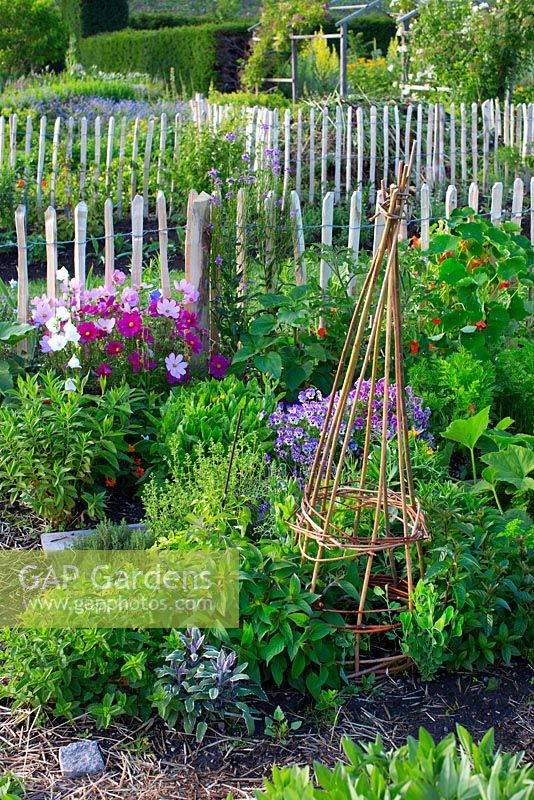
x=413 y=433
x=429 y=451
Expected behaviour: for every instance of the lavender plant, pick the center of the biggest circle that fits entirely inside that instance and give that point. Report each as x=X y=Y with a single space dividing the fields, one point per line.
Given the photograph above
x=298 y=426
x=201 y=684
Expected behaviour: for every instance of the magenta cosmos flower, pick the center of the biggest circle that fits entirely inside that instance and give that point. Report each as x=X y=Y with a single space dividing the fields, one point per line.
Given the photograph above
x=130 y=324
x=192 y=341
x=217 y=365
x=103 y=370
x=88 y=331
x=113 y=347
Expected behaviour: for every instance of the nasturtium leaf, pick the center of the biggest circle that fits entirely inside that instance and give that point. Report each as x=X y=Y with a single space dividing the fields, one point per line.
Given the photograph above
x=480 y=277
x=452 y=271
x=471 y=230
x=442 y=243
x=298 y=292
x=468 y=431
x=454 y=320
x=273 y=300
x=510 y=267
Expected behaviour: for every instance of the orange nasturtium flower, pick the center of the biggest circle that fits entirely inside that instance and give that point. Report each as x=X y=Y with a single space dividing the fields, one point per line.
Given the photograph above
x=110 y=482
x=21 y=184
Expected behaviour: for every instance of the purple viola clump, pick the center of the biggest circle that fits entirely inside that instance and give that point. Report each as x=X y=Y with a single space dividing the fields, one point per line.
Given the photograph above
x=298 y=426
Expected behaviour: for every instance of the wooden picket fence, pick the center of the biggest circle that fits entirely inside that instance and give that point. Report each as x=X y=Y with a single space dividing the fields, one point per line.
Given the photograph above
x=341 y=150
x=198 y=233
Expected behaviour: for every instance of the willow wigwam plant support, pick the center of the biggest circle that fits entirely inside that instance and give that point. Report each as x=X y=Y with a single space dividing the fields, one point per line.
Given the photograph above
x=364 y=518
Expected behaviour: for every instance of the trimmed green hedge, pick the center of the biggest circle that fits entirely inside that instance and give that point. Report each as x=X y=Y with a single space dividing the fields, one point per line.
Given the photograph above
x=88 y=17
x=208 y=55
x=146 y=21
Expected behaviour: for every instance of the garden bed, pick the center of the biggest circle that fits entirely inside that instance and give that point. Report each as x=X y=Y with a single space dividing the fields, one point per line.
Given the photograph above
x=145 y=758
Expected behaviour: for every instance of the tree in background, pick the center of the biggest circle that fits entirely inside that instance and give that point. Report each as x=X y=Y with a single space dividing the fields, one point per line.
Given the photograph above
x=475 y=49
x=33 y=36
x=278 y=20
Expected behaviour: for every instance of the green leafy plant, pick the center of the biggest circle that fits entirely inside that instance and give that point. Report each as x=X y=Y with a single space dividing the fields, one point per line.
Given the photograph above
x=112 y=536
x=33 y=36
x=202 y=685
x=57 y=447
x=429 y=629
x=279 y=727
x=515 y=384
x=10 y=334
x=10 y=787
x=467 y=432
x=455 y=767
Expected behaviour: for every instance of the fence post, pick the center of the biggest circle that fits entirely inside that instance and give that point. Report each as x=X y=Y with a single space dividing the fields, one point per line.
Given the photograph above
x=372 y=154
x=298 y=170
x=324 y=152
x=355 y=224
x=429 y=143
x=327 y=226
x=135 y=156
x=51 y=252
x=22 y=265
x=146 y=164
x=298 y=239
x=386 y=143
x=197 y=254
x=96 y=174
x=418 y=147
x=80 y=242
x=463 y=144
x=287 y=152
x=397 y=138
x=12 y=161
x=109 y=242
x=474 y=140
x=270 y=255
x=68 y=162
x=27 y=151
x=137 y=240
x=517 y=201
x=425 y=216
x=451 y=200
x=496 y=203
x=359 y=121
x=161 y=210
x=348 y=153
x=83 y=155
x=379 y=222
x=162 y=146
x=311 y=191
x=109 y=153
x=120 y=171
x=55 y=150
x=337 y=155
x=472 y=200
x=452 y=176
x=40 y=161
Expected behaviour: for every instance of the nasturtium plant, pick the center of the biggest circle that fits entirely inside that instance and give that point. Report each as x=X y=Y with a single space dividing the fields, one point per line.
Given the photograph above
x=470 y=288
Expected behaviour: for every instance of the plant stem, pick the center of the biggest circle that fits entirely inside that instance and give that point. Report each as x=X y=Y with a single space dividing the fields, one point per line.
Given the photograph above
x=472 y=451
x=496 y=499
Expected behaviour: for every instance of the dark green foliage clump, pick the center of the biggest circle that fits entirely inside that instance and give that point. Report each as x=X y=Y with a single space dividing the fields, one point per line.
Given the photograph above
x=88 y=17
x=210 y=56
x=515 y=385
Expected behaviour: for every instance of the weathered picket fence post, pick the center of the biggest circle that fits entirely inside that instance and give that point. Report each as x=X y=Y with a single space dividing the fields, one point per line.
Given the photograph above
x=137 y=240
x=109 y=242
x=517 y=201
x=299 y=246
x=425 y=216
x=146 y=164
x=80 y=242
x=451 y=200
x=327 y=227
x=22 y=269
x=163 y=233
x=40 y=161
x=355 y=225
x=379 y=221
x=51 y=252
x=496 y=203
x=197 y=254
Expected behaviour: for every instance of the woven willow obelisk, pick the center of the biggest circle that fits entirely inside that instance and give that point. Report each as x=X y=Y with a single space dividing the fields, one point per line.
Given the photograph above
x=363 y=517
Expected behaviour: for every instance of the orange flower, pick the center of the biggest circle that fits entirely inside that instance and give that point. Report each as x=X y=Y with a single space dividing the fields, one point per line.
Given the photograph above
x=110 y=482
x=448 y=254
x=322 y=332
x=416 y=241
x=43 y=184
x=131 y=448
x=436 y=321
x=478 y=262
x=471 y=408
x=504 y=284
x=21 y=184
x=463 y=246
x=414 y=347
x=139 y=472
x=431 y=285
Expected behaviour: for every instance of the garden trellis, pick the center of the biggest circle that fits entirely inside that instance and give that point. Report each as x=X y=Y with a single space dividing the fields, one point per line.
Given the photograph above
x=342 y=148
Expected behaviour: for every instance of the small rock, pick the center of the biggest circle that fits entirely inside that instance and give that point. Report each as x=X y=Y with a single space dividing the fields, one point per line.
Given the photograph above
x=80 y=758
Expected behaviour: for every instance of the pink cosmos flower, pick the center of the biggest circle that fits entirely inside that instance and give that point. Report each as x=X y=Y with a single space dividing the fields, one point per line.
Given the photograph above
x=217 y=365
x=187 y=320
x=105 y=325
x=103 y=370
x=192 y=341
x=130 y=324
x=130 y=297
x=190 y=292
x=142 y=361
x=176 y=365
x=118 y=277
x=88 y=331
x=168 y=308
x=113 y=347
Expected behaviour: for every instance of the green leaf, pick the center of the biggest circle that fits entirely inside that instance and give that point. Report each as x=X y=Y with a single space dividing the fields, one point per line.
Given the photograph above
x=293 y=376
x=468 y=431
x=12 y=332
x=263 y=325
x=452 y=271
x=512 y=465
x=269 y=363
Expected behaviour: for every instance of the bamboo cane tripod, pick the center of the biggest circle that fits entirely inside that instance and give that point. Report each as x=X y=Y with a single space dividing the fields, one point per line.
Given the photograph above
x=365 y=519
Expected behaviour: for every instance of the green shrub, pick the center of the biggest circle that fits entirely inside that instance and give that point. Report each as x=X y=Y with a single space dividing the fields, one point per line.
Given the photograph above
x=455 y=386
x=419 y=770
x=10 y=787
x=209 y=56
x=33 y=36
x=152 y=21
x=108 y=672
x=88 y=17
x=112 y=536
x=207 y=413
x=57 y=447
x=515 y=384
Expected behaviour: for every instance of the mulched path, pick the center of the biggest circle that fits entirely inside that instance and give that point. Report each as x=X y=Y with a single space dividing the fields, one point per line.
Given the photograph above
x=150 y=762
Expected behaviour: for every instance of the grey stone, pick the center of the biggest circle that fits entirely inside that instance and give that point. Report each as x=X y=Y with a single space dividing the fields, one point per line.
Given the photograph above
x=80 y=758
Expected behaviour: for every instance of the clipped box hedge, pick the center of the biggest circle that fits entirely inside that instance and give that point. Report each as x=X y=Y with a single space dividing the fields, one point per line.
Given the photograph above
x=201 y=56
x=89 y=17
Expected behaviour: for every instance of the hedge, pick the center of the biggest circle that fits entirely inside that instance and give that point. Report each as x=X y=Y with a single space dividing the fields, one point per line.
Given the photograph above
x=209 y=55
x=88 y=17
x=377 y=27
x=148 y=21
